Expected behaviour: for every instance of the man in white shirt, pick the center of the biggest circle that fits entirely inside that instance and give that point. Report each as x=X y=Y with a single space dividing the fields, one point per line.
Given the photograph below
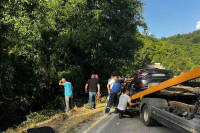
x=123 y=100
x=111 y=81
x=109 y=86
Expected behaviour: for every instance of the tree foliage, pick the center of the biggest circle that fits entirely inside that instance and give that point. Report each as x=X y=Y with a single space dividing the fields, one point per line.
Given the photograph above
x=42 y=41
x=177 y=53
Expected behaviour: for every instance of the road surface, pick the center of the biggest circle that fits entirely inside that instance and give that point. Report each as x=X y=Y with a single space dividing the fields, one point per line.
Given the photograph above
x=112 y=124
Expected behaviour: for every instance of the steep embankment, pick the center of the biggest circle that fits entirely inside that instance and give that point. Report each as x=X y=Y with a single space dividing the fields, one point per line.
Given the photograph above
x=64 y=122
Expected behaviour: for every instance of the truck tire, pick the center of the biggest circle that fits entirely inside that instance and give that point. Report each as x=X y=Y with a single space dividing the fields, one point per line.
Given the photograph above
x=146 y=118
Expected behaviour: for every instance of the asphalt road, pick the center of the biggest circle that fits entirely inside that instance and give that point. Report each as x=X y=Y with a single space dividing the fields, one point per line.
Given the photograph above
x=112 y=124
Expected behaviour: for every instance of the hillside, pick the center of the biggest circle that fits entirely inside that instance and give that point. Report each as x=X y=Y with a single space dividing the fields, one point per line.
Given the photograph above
x=185 y=39
x=177 y=53
x=189 y=44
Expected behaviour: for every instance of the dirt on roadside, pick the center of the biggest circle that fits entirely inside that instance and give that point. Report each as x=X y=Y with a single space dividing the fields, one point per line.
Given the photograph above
x=74 y=121
x=77 y=120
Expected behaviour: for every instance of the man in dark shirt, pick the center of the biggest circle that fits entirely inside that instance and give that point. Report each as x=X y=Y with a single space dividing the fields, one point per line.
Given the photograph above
x=92 y=85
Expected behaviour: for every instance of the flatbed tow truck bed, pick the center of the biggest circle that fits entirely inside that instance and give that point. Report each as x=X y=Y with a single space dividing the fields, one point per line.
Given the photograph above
x=172 y=110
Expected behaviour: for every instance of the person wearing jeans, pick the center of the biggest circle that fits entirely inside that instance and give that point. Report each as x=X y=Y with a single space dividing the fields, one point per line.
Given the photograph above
x=93 y=86
x=113 y=100
x=113 y=93
x=91 y=95
x=68 y=93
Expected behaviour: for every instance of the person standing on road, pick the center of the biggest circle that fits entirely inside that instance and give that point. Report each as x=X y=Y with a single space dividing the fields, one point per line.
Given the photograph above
x=68 y=93
x=113 y=93
x=122 y=106
x=94 y=88
x=111 y=81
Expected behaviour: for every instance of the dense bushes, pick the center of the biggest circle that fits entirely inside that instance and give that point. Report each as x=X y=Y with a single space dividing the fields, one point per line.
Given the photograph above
x=42 y=41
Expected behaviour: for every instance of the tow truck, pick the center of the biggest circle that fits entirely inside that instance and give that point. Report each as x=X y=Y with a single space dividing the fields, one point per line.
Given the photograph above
x=176 y=106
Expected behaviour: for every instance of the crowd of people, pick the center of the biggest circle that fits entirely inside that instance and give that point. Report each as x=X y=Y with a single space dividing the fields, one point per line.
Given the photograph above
x=116 y=96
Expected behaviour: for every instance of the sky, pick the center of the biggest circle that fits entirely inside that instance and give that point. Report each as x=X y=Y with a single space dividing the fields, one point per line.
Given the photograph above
x=166 y=18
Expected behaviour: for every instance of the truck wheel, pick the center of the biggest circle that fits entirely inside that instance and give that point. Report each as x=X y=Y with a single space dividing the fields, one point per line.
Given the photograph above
x=146 y=118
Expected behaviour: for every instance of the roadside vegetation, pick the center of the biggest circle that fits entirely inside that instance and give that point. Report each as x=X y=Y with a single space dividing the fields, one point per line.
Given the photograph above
x=60 y=121
x=42 y=41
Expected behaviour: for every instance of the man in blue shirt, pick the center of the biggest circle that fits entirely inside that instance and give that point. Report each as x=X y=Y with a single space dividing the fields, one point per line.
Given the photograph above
x=68 y=88
x=113 y=93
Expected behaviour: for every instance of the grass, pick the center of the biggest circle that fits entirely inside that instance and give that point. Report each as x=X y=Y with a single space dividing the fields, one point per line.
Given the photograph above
x=61 y=122
x=80 y=116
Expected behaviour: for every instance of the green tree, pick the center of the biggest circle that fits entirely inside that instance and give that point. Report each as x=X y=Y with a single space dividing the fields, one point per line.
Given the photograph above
x=42 y=41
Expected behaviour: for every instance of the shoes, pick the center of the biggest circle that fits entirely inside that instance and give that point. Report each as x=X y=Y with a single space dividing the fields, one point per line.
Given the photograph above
x=132 y=115
x=107 y=110
x=116 y=111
